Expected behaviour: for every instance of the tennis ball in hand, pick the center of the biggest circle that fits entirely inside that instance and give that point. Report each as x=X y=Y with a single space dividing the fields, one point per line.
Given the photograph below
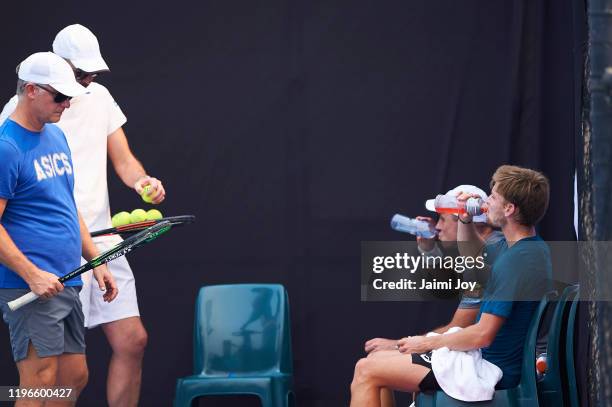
x=120 y=219
x=145 y=194
x=154 y=214
x=138 y=215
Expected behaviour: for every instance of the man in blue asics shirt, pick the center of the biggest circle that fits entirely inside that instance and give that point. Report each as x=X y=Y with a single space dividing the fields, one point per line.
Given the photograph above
x=42 y=236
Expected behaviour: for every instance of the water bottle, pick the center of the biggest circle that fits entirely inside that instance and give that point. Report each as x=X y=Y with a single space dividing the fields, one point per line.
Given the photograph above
x=415 y=227
x=450 y=204
x=541 y=365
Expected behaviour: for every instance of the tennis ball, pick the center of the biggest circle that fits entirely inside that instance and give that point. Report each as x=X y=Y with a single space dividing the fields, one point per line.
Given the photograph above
x=120 y=219
x=145 y=194
x=154 y=214
x=138 y=215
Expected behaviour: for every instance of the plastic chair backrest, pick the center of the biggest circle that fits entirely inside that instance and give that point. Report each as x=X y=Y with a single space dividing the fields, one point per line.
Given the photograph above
x=570 y=366
x=550 y=387
x=242 y=330
x=527 y=385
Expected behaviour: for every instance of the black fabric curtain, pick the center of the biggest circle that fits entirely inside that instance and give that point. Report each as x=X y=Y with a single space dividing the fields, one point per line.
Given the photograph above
x=294 y=131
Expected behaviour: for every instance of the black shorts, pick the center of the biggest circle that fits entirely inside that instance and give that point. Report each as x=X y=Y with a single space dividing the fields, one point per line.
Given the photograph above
x=429 y=382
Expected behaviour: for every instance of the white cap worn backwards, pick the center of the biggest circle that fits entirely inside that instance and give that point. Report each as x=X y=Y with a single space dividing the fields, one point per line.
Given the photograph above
x=469 y=189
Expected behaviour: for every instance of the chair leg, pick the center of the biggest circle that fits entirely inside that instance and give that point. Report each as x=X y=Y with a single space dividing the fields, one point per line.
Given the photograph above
x=282 y=397
x=266 y=398
x=181 y=399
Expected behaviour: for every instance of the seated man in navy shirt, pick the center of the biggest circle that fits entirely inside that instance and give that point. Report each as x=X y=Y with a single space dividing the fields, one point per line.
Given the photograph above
x=521 y=270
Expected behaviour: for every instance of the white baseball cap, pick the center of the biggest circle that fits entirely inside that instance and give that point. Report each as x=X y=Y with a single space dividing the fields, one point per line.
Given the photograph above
x=46 y=68
x=80 y=46
x=469 y=189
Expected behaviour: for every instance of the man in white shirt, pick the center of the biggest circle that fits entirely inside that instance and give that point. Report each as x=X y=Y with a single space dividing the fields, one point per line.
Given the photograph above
x=93 y=128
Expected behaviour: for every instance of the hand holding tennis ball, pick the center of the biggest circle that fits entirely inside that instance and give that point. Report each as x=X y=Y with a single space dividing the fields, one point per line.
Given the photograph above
x=120 y=219
x=146 y=194
x=150 y=189
x=138 y=215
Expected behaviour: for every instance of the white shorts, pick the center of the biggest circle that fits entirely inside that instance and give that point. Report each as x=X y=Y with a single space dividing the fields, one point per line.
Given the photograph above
x=95 y=310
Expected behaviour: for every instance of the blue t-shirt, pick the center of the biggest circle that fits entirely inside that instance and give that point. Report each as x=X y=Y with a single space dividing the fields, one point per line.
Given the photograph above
x=520 y=277
x=37 y=180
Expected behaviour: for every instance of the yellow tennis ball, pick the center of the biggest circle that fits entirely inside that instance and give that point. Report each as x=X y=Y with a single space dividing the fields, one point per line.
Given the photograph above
x=138 y=215
x=154 y=214
x=145 y=195
x=120 y=219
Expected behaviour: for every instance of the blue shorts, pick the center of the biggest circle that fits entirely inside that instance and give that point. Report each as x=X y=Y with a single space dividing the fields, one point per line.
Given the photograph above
x=54 y=326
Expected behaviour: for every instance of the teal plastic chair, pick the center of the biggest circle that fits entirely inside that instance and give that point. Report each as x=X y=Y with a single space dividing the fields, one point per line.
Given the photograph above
x=242 y=345
x=572 y=383
x=524 y=395
x=550 y=389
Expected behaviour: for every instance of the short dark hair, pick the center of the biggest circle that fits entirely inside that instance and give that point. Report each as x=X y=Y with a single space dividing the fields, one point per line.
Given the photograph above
x=527 y=189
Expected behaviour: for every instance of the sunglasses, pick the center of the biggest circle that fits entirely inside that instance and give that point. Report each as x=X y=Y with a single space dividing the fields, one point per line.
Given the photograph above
x=57 y=97
x=80 y=74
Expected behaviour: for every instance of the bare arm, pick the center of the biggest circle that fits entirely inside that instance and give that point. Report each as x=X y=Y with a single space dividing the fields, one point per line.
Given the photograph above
x=469 y=241
x=463 y=318
x=41 y=282
x=479 y=335
x=129 y=169
x=90 y=250
x=475 y=336
x=105 y=279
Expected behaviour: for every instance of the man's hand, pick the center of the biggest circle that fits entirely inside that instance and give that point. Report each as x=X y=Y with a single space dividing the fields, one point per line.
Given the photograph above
x=377 y=344
x=424 y=244
x=157 y=193
x=106 y=282
x=463 y=197
x=44 y=284
x=414 y=344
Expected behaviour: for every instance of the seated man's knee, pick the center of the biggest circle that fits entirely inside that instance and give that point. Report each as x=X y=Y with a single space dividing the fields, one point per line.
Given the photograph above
x=362 y=371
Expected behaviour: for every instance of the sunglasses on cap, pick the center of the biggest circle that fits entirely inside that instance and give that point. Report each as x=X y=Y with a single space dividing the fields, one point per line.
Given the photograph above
x=57 y=97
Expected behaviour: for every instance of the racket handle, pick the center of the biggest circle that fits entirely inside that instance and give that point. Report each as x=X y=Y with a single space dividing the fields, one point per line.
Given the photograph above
x=23 y=300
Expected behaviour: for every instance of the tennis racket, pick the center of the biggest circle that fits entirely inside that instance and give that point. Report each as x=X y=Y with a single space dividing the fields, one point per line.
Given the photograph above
x=136 y=227
x=148 y=235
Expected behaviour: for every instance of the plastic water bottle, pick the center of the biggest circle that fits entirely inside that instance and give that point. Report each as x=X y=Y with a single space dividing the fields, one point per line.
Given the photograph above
x=413 y=226
x=541 y=365
x=450 y=204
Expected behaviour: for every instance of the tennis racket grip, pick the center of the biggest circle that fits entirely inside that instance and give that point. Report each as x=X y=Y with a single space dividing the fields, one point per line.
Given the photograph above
x=23 y=300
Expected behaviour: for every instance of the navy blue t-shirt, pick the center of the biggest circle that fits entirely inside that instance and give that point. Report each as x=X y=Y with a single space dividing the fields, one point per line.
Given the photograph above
x=520 y=276
x=36 y=179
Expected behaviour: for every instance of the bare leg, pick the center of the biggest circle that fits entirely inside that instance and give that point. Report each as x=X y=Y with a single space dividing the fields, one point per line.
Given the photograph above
x=72 y=373
x=383 y=353
x=128 y=340
x=394 y=372
x=35 y=372
x=387 y=399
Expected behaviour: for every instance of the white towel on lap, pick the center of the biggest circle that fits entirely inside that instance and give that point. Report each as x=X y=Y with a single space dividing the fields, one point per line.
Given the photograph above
x=465 y=376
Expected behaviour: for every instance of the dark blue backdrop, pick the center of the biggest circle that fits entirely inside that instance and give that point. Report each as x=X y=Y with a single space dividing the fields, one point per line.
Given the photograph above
x=294 y=130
